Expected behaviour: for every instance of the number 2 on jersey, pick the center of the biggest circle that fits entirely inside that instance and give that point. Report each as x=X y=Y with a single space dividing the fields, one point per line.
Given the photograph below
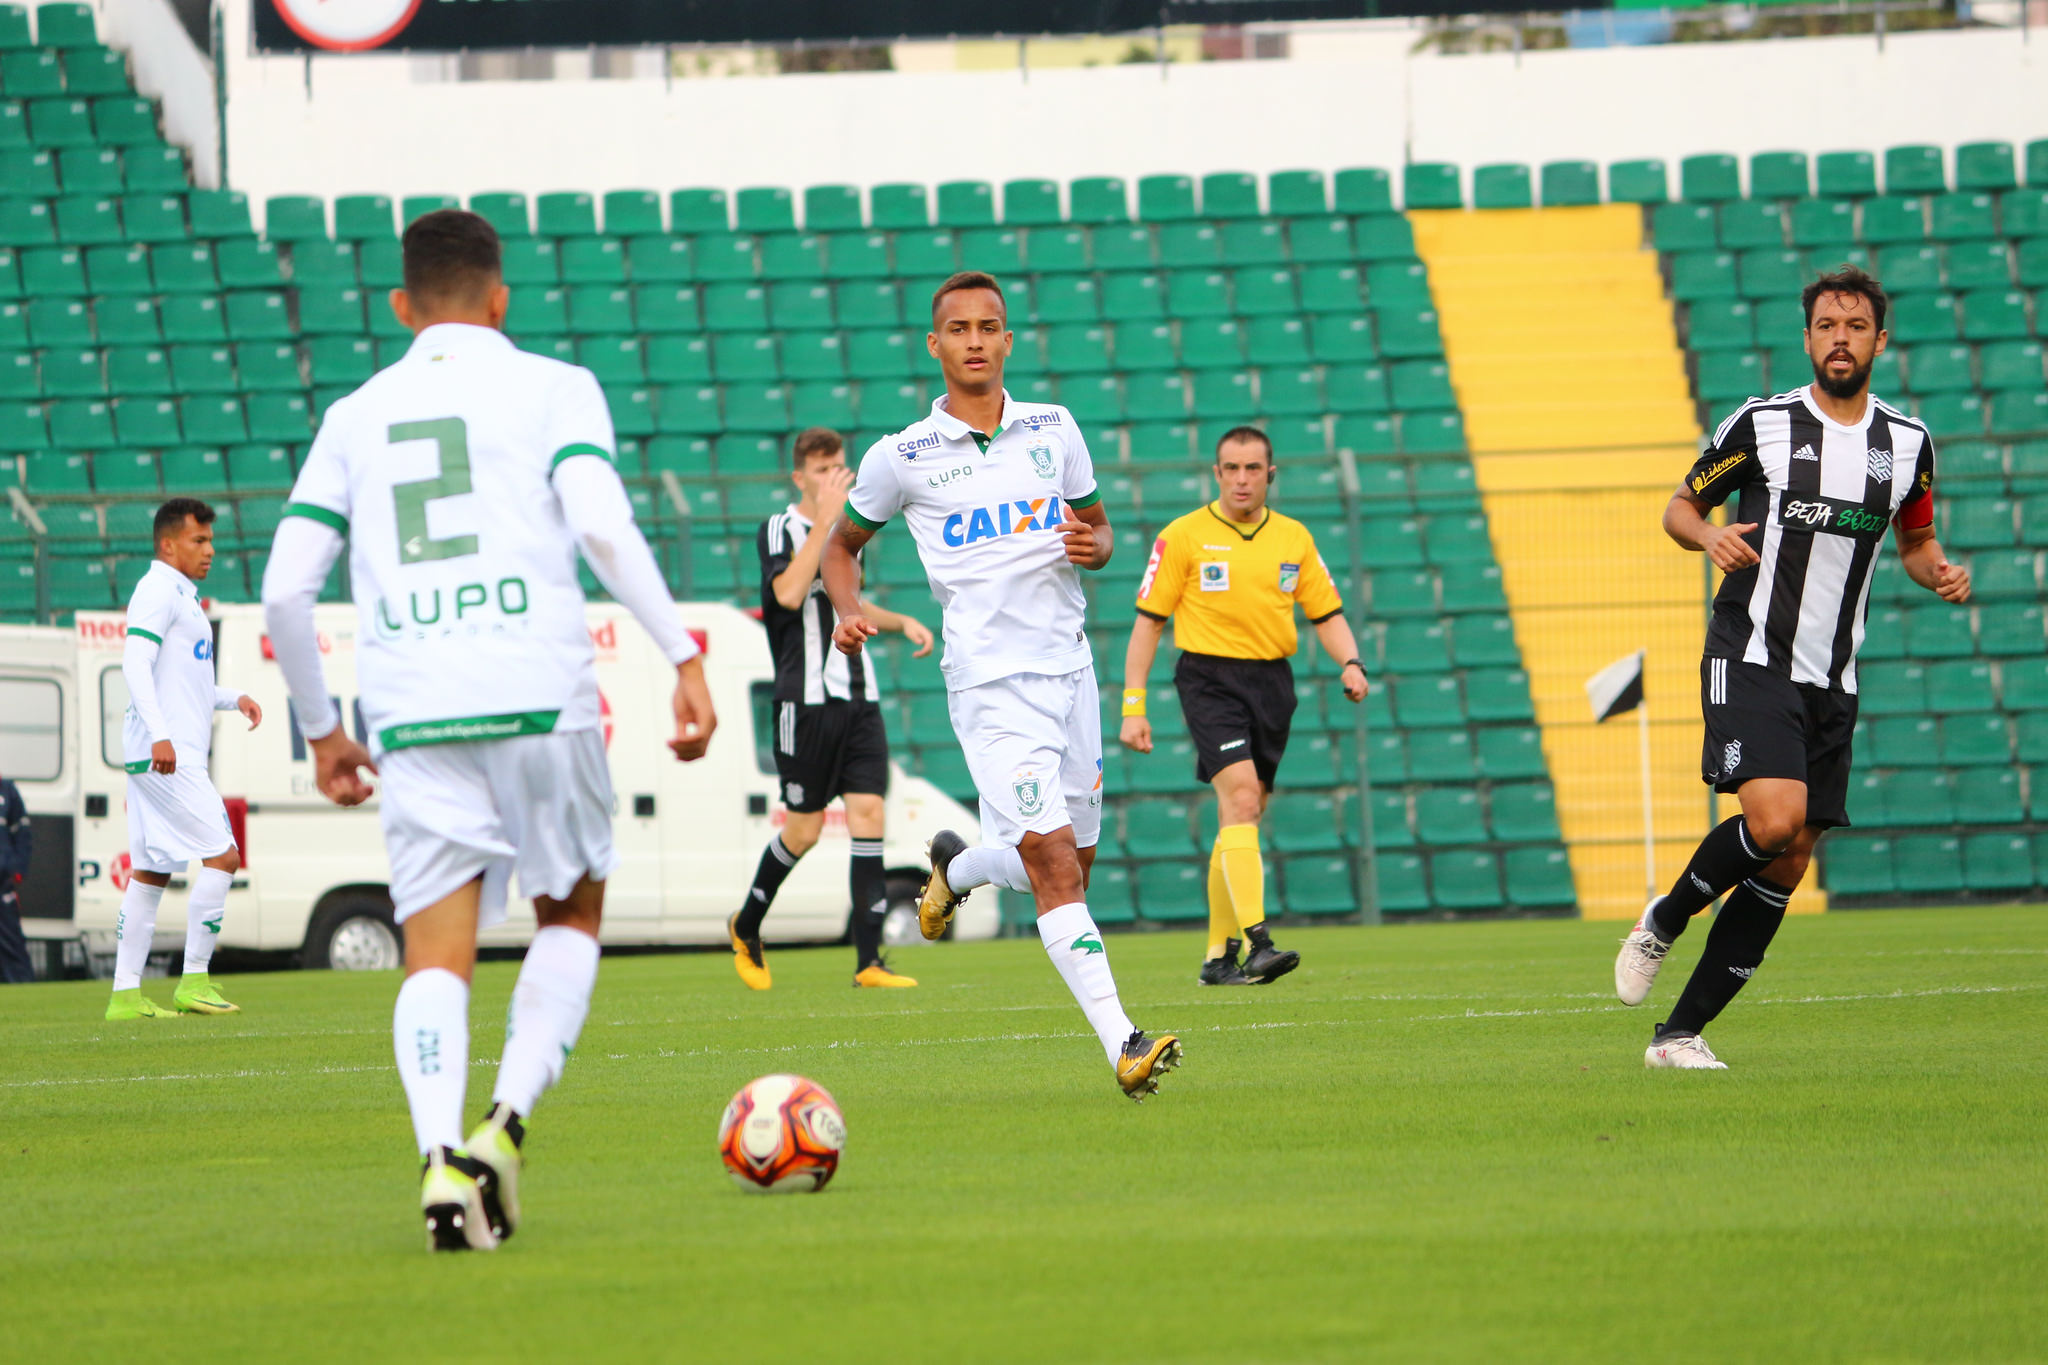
x=415 y=546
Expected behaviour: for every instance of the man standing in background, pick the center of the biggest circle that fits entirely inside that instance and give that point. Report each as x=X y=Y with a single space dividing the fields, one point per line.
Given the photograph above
x=16 y=843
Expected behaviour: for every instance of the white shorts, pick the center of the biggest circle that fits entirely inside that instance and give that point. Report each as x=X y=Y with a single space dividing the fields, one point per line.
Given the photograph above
x=1034 y=747
x=540 y=805
x=174 y=819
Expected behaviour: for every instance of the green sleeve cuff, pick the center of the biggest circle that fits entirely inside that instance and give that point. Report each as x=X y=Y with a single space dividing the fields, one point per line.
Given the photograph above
x=147 y=635
x=1088 y=499
x=319 y=514
x=580 y=448
x=857 y=519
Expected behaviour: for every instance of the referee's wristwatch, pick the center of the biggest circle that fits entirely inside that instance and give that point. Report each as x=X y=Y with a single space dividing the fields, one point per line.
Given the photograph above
x=1361 y=668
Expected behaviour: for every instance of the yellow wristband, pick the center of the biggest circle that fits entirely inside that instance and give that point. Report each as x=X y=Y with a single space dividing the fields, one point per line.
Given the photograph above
x=1134 y=701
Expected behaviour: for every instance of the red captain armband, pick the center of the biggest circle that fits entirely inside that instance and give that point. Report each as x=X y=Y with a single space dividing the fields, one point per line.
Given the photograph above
x=1917 y=511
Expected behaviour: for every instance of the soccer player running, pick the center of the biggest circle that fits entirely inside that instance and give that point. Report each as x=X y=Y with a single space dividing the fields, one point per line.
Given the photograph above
x=829 y=736
x=1229 y=574
x=1000 y=497
x=174 y=814
x=1820 y=473
x=466 y=478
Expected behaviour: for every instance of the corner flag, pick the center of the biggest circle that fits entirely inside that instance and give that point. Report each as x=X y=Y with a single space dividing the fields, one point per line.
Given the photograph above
x=1617 y=689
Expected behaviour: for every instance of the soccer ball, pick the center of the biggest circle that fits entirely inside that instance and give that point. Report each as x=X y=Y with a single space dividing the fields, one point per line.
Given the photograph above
x=781 y=1134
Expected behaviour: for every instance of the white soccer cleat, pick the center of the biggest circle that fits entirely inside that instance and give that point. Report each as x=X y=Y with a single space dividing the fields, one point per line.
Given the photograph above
x=1642 y=953
x=1683 y=1052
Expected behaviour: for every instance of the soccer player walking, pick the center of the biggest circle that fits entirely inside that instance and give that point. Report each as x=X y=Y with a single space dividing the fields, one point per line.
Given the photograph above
x=1819 y=473
x=174 y=814
x=1000 y=497
x=1229 y=575
x=466 y=479
x=829 y=737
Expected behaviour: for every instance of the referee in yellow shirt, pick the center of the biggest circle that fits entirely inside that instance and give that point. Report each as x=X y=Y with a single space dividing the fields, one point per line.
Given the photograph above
x=1232 y=572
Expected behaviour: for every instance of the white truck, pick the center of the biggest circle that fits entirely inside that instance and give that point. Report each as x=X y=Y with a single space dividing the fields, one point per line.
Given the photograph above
x=314 y=876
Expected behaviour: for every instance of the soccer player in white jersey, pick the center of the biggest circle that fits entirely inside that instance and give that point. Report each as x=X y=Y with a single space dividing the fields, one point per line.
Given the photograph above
x=174 y=814
x=1000 y=497
x=466 y=478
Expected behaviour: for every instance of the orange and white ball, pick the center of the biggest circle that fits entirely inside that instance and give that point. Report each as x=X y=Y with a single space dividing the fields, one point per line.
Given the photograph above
x=781 y=1134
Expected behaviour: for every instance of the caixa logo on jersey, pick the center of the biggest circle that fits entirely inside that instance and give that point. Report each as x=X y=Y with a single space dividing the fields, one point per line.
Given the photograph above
x=1829 y=517
x=1003 y=519
x=202 y=648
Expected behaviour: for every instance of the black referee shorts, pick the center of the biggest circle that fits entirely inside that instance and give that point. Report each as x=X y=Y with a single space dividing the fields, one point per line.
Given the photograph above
x=1762 y=724
x=829 y=750
x=1236 y=709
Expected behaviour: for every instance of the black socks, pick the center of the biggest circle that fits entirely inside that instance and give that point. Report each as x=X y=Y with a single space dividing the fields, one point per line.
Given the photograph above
x=870 y=887
x=1735 y=949
x=776 y=862
x=1728 y=855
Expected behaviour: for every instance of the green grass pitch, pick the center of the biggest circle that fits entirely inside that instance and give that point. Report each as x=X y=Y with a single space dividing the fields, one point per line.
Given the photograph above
x=1431 y=1143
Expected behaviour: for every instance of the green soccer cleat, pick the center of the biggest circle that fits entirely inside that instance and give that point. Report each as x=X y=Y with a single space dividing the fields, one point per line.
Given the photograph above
x=196 y=994
x=494 y=1147
x=133 y=1004
x=452 y=1203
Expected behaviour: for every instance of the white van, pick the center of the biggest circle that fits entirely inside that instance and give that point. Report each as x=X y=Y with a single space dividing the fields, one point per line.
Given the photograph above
x=314 y=877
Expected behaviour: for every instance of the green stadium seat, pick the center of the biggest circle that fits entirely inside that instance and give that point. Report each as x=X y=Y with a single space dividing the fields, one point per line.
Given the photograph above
x=14 y=30
x=1769 y=272
x=1485 y=642
x=1539 y=877
x=1846 y=175
x=593 y=260
x=1229 y=195
x=1254 y=242
x=1709 y=177
x=967 y=204
x=1915 y=169
x=1745 y=224
x=153 y=218
x=87 y=220
x=1384 y=237
x=1172 y=891
x=796 y=305
x=1309 y=822
x=2009 y=575
x=60 y=122
x=84 y=170
x=1981 y=523
x=660 y=260
x=2010 y=629
x=56 y=270
x=1892 y=689
x=1431 y=185
x=1320 y=240
x=769 y=208
x=95 y=71
x=1938 y=632
x=1964 y=215
x=1953 y=414
x=694 y=211
x=29 y=173
x=59 y=322
x=896 y=207
x=1637 y=182
x=1975 y=739
x=1449 y=815
x=1190 y=245
x=1995 y=315
x=1440 y=756
x=1857 y=865
x=929 y=253
x=566 y=213
x=1926 y=864
x=2023 y=213
x=1997 y=862
x=127 y=471
x=245 y=263
x=1098 y=199
x=2018 y=411
x=66 y=26
x=2013 y=364
x=1911 y=269
x=1465 y=879
x=1362 y=190
x=1699 y=275
x=1570 y=183
x=325 y=262
x=206 y=369
x=73 y=374
x=677 y=308
x=1503 y=185
x=1824 y=225
x=1779 y=175
x=1031 y=203
x=527 y=261
x=1496 y=694
x=1730 y=376
x=122 y=121
x=1916 y=318
x=1894 y=218
x=1407 y=331
x=1296 y=194
x=364 y=218
x=1425 y=699
x=996 y=250
x=1318 y=885
x=725 y=257
x=1988 y=796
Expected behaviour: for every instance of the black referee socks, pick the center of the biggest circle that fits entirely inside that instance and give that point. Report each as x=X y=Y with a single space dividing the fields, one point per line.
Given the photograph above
x=1749 y=919
x=1728 y=855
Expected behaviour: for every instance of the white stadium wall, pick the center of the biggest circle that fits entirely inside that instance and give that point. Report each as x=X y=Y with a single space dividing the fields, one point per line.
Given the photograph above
x=343 y=124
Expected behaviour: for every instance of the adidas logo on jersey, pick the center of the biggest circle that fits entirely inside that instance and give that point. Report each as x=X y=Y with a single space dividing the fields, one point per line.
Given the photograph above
x=1004 y=519
x=1805 y=453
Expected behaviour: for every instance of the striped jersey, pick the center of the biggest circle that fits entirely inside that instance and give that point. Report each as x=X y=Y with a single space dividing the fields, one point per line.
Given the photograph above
x=807 y=666
x=1822 y=496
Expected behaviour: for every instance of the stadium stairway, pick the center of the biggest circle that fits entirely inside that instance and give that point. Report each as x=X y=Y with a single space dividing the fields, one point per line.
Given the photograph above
x=1566 y=364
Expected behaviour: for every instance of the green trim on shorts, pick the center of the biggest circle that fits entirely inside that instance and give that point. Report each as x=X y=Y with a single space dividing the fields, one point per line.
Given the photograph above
x=1088 y=499
x=580 y=448
x=150 y=636
x=312 y=512
x=854 y=516
x=461 y=728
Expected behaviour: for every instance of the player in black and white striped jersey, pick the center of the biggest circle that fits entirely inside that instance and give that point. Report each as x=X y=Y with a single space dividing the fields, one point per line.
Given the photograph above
x=829 y=736
x=1820 y=473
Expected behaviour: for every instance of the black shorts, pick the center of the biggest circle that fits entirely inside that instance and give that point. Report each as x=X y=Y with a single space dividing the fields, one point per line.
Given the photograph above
x=1236 y=709
x=829 y=750
x=1762 y=724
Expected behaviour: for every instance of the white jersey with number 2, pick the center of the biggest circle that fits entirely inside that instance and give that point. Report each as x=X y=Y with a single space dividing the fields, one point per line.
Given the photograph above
x=462 y=563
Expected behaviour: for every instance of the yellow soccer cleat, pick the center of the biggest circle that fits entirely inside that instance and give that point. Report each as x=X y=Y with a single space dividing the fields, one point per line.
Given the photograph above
x=936 y=903
x=133 y=1004
x=1144 y=1061
x=746 y=957
x=877 y=973
x=196 y=994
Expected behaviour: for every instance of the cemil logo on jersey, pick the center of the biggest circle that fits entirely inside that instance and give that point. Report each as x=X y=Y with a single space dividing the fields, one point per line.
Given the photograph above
x=1003 y=519
x=1832 y=518
x=908 y=449
x=1035 y=420
x=1705 y=477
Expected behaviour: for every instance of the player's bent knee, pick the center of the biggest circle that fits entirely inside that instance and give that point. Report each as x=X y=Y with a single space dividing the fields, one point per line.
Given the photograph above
x=1776 y=826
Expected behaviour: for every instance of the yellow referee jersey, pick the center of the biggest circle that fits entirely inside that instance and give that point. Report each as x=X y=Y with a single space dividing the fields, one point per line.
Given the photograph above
x=1231 y=589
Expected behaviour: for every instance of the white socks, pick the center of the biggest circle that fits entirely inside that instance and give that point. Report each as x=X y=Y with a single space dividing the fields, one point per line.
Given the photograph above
x=988 y=864
x=548 y=1007
x=430 y=1037
x=203 y=916
x=1075 y=946
x=132 y=932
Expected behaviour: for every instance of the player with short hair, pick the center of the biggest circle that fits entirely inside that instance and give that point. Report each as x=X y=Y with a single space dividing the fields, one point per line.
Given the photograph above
x=1820 y=472
x=174 y=814
x=1000 y=498
x=829 y=737
x=1229 y=575
x=466 y=478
